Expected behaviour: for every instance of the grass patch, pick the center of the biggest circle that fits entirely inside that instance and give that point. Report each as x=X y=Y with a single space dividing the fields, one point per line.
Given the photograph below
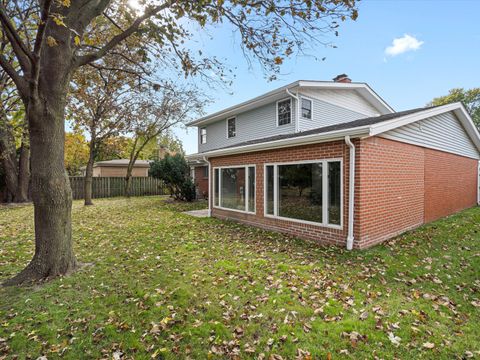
x=166 y=285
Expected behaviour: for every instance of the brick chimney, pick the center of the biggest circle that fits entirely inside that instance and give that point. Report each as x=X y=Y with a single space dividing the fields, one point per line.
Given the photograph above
x=342 y=78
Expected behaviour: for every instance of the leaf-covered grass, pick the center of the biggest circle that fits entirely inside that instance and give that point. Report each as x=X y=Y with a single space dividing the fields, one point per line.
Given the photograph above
x=166 y=285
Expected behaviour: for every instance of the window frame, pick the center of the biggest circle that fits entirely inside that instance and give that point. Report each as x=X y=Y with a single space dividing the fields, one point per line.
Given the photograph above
x=291 y=111
x=201 y=135
x=325 y=219
x=301 y=107
x=247 y=189
x=234 y=118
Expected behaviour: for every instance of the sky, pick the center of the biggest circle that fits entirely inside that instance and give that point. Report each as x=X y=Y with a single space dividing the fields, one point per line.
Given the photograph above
x=408 y=51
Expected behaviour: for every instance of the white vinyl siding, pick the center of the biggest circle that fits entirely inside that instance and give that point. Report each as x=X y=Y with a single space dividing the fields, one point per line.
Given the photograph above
x=250 y=125
x=329 y=107
x=348 y=99
x=325 y=114
x=442 y=132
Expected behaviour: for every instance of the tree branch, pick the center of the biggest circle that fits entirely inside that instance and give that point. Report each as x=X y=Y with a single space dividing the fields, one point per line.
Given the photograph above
x=19 y=81
x=39 y=43
x=24 y=55
x=117 y=39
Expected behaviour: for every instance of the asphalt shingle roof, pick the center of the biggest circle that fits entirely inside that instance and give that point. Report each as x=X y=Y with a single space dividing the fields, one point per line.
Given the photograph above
x=342 y=126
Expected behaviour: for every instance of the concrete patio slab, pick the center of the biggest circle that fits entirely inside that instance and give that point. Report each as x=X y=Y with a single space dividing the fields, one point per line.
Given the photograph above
x=198 y=213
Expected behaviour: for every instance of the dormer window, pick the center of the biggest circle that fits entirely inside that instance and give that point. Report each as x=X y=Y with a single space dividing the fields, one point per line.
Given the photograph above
x=306 y=108
x=231 y=127
x=284 y=112
x=203 y=135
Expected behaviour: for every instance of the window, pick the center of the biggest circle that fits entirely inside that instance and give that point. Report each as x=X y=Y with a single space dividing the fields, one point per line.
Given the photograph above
x=307 y=192
x=205 y=171
x=216 y=187
x=306 y=108
x=269 y=188
x=231 y=128
x=203 y=135
x=234 y=188
x=284 y=113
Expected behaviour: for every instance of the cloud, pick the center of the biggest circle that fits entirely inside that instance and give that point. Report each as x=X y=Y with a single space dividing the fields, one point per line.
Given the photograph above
x=403 y=44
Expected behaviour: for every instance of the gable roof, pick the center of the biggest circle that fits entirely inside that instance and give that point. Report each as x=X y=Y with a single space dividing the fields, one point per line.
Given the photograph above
x=370 y=126
x=362 y=88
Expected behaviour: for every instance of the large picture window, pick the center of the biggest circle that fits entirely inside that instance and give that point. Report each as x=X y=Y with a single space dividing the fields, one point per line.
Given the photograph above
x=307 y=192
x=235 y=188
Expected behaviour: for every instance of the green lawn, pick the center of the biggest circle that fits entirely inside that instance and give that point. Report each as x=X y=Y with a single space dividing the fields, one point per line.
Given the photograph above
x=166 y=285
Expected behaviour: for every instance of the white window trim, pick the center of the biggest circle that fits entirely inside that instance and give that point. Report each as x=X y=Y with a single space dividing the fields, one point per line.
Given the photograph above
x=247 y=175
x=300 y=107
x=324 y=222
x=201 y=142
x=276 y=111
x=226 y=125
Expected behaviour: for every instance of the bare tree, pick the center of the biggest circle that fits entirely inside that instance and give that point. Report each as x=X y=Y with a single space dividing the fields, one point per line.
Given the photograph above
x=156 y=113
x=101 y=105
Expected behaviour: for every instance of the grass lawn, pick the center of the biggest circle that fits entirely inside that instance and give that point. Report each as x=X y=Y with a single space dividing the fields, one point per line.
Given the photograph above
x=166 y=285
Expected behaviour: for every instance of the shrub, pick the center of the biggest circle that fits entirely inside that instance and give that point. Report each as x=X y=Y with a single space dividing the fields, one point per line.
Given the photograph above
x=175 y=173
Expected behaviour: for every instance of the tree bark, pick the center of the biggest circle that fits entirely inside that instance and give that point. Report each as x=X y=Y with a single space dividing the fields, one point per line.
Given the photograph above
x=22 y=193
x=8 y=156
x=51 y=192
x=88 y=180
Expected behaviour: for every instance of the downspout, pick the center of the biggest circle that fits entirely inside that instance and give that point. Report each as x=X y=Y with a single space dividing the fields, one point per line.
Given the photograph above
x=351 y=192
x=297 y=117
x=209 y=186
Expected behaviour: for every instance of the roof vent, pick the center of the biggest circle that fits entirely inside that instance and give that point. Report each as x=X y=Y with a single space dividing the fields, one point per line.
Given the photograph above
x=342 y=78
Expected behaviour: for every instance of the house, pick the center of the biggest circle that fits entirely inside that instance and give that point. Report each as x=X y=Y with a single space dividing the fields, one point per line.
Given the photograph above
x=118 y=168
x=333 y=162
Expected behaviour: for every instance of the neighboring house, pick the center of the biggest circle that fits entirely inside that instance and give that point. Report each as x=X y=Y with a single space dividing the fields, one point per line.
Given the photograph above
x=118 y=168
x=333 y=162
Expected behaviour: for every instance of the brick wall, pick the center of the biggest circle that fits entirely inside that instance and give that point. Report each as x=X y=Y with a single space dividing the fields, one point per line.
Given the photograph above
x=389 y=189
x=450 y=184
x=318 y=233
x=401 y=186
x=201 y=181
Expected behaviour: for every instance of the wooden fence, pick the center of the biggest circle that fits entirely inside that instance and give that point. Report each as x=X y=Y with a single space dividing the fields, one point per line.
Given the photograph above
x=103 y=187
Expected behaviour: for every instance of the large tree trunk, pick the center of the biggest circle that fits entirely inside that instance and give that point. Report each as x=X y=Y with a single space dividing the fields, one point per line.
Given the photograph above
x=88 y=180
x=22 y=194
x=51 y=192
x=8 y=156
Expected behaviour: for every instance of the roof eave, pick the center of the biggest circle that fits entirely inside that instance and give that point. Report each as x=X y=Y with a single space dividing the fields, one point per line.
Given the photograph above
x=289 y=142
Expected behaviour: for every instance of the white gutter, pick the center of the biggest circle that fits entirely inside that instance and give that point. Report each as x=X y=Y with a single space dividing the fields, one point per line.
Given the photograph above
x=351 y=192
x=209 y=186
x=297 y=118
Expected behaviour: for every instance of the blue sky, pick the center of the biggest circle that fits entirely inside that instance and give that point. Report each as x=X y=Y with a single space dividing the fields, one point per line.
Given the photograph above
x=445 y=34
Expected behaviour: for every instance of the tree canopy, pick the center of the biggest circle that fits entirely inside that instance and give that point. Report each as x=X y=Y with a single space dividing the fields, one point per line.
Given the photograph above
x=469 y=97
